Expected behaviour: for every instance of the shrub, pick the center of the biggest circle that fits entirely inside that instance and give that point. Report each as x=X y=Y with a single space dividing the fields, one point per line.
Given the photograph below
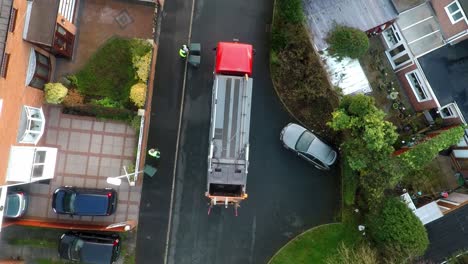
x=138 y=94
x=73 y=80
x=142 y=65
x=135 y=122
x=55 y=93
x=107 y=102
x=423 y=153
x=279 y=39
x=291 y=11
x=361 y=255
x=397 y=231
x=73 y=98
x=347 y=42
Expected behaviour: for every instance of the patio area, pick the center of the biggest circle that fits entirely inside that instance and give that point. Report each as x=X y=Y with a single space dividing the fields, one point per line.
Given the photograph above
x=89 y=151
x=99 y=20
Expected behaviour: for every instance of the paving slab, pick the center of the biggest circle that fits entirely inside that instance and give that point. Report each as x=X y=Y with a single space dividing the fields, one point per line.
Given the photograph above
x=83 y=162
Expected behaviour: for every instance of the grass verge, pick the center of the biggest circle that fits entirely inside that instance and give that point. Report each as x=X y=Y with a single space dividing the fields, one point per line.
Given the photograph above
x=315 y=245
x=33 y=242
x=349 y=184
x=50 y=261
x=297 y=73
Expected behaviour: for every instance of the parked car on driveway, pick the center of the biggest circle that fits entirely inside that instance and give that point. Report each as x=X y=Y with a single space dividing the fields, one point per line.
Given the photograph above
x=89 y=248
x=16 y=204
x=308 y=146
x=84 y=201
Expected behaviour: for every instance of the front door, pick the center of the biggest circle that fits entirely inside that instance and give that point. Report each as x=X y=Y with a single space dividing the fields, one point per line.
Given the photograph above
x=63 y=41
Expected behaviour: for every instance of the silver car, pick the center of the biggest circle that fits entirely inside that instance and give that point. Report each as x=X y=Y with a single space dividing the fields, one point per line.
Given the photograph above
x=16 y=204
x=308 y=146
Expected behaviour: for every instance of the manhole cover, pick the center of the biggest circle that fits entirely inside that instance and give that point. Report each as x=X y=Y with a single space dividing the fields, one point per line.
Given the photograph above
x=123 y=19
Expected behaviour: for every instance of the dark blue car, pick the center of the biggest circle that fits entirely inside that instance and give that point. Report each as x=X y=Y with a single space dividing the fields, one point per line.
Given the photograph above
x=84 y=201
x=89 y=248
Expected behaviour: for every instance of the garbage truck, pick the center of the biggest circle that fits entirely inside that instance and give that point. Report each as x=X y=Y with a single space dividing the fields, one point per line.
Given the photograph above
x=228 y=154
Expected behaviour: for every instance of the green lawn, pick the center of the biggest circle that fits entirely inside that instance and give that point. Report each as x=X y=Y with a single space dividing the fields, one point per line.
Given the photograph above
x=110 y=72
x=315 y=245
x=350 y=181
x=34 y=242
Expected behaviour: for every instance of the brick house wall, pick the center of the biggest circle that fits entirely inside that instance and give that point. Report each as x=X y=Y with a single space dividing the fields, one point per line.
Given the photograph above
x=418 y=106
x=13 y=90
x=448 y=29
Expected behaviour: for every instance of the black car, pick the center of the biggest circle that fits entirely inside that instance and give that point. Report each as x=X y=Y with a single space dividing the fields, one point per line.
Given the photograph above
x=89 y=248
x=84 y=201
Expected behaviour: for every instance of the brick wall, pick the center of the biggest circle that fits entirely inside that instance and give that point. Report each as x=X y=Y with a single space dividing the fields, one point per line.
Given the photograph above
x=448 y=29
x=13 y=89
x=418 y=106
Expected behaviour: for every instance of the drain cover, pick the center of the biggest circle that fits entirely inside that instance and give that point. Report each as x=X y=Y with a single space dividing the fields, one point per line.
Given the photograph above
x=123 y=19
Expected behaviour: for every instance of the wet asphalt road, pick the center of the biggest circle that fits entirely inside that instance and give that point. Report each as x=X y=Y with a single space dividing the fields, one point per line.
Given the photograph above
x=286 y=194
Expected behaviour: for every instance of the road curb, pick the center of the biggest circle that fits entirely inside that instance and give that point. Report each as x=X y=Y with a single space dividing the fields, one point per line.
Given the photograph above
x=298 y=236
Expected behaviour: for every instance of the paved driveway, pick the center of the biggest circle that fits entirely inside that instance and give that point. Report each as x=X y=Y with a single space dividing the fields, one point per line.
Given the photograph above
x=286 y=195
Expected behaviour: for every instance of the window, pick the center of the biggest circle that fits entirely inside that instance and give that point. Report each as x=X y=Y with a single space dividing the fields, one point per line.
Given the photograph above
x=391 y=36
x=4 y=66
x=38 y=163
x=418 y=86
x=32 y=125
x=304 y=141
x=454 y=12
x=447 y=112
x=397 y=52
x=63 y=42
x=41 y=72
x=398 y=55
x=12 y=24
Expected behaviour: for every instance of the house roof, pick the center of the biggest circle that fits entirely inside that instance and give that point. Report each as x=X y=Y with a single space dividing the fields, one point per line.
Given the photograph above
x=403 y=5
x=464 y=5
x=446 y=69
x=420 y=29
x=322 y=15
x=42 y=21
x=5 y=13
x=447 y=235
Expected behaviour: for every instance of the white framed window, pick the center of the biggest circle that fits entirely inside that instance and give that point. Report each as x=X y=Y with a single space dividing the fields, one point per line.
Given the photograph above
x=398 y=55
x=418 y=86
x=454 y=12
x=38 y=163
x=30 y=164
x=448 y=111
x=391 y=36
x=32 y=125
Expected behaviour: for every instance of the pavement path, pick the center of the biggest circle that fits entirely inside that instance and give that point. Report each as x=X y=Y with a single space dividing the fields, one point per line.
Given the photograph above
x=286 y=195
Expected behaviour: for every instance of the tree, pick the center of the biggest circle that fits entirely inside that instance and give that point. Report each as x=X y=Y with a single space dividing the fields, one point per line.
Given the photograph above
x=55 y=93
x=347 y=42
x=422 y=154
x=370 y=135
x=397 y=231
